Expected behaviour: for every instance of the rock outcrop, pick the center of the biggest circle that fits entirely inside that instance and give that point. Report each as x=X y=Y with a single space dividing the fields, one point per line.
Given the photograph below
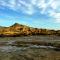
x=22 y=30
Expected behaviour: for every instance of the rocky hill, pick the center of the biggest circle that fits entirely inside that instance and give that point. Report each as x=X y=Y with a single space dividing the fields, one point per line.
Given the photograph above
x=22 y=30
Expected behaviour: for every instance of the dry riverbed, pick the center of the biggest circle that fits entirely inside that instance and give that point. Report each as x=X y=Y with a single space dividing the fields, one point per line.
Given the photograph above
x=30 y=48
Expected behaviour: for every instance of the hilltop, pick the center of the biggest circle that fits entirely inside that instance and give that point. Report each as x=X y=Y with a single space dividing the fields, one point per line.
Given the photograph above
x=23 y=30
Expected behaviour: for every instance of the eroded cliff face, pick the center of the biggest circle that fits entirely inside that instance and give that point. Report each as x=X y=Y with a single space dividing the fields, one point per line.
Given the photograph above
x=22 y=30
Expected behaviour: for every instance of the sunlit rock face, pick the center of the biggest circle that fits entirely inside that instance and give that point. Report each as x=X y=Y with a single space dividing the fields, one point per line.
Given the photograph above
x=23 y=30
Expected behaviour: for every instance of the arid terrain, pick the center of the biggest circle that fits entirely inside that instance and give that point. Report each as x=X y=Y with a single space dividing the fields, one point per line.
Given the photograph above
x=20 y=42
x=23 y=30
x=30 y=48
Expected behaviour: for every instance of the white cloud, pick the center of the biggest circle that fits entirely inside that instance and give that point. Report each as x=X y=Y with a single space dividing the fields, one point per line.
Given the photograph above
x=51 y=7
x=25 y=7
x=54 y=4
x=54 y=13
x=29 y=10
x=57 y=17
x=12 y=4
x=22 y=2
x=2 y=3
x=42 y=5
x=33 y=2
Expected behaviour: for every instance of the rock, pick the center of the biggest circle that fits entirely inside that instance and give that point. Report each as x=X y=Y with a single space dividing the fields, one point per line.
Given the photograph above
x=23 y=30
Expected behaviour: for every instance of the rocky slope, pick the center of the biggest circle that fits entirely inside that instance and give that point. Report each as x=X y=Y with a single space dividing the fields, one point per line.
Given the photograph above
x=22 y=30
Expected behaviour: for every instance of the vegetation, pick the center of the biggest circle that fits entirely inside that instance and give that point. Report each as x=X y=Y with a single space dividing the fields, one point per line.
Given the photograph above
x=20 y=48
x=22 y=30
x=30 y=54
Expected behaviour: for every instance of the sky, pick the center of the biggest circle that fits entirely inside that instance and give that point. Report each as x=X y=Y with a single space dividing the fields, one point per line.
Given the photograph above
x=33 y=13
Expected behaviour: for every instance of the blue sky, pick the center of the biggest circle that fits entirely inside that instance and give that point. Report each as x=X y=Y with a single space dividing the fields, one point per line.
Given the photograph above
x=34 y=13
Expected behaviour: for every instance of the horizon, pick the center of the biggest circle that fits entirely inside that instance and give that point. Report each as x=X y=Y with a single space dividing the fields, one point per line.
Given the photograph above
x=30 y=27
x=36 y=13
